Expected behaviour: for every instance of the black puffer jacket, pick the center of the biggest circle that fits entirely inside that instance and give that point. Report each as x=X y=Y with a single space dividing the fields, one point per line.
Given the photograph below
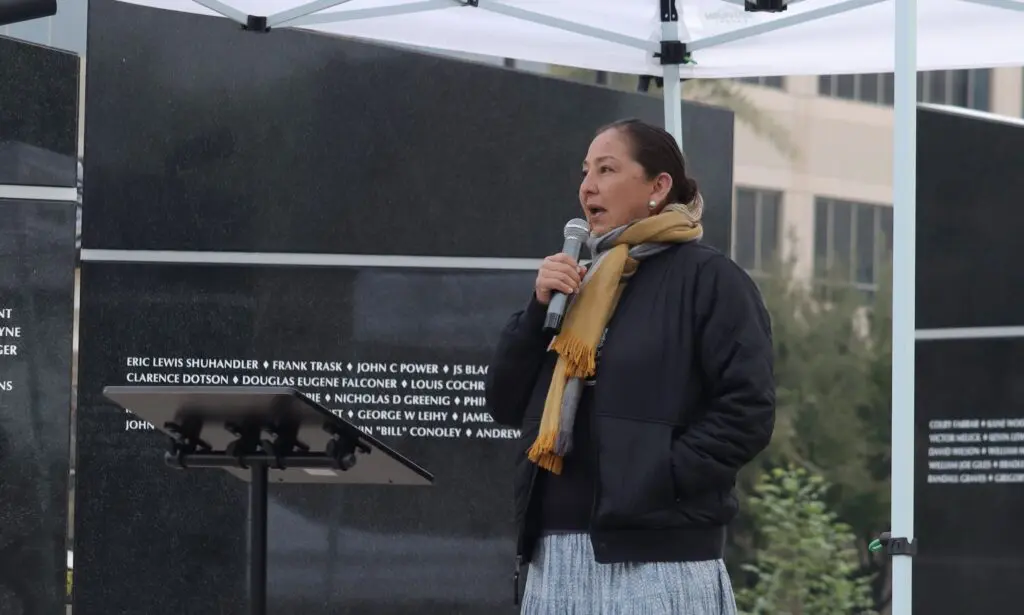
x=685 y=396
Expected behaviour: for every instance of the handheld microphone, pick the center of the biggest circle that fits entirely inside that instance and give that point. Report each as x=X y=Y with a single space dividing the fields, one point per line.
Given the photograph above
x=576 y=232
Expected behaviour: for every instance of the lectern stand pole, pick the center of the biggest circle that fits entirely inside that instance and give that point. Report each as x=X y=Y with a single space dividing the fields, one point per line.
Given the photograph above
x=258 y=539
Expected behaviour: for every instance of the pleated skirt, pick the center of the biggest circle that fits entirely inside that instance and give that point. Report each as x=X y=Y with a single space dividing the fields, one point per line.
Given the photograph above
x=564 y=579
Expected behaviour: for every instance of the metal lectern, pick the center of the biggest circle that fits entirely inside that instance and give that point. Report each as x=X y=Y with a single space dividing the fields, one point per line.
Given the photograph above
x=259 y=434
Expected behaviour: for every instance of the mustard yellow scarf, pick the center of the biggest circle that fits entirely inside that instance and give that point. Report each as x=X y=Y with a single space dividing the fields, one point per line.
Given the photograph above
x=617 y=257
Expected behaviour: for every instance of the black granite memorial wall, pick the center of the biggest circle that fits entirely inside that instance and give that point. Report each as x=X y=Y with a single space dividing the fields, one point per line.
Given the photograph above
x=36 y=310
x=203 y=138
x=38 y=124
x=398 y=353
x=38 y=115
x=969 y=478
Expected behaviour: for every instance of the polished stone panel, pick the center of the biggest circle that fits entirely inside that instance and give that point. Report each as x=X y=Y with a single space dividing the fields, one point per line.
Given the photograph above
x=38 y=114
x=969 y=479
x=969 y=217
x=36 y=312
x=206 y=137
x=969 y=410
x=160 y=541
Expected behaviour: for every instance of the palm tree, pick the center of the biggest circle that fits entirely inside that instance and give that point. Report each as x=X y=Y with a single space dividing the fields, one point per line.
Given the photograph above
x=717 y=92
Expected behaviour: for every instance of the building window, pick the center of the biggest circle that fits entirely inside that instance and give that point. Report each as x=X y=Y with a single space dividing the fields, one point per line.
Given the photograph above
x=768 y=82
x=852 y=241
x=960 y=88
x=757 y=225
x=874 y=88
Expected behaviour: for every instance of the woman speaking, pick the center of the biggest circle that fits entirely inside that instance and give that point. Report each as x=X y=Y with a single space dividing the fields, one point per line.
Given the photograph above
x=638 y=414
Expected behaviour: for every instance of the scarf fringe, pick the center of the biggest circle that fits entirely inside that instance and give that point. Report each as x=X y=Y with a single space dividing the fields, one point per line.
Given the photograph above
x=580 y=358
x=548 y=460
x=541 y=453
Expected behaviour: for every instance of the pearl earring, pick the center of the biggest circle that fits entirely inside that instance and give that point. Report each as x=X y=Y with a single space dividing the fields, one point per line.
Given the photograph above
x=652 y=204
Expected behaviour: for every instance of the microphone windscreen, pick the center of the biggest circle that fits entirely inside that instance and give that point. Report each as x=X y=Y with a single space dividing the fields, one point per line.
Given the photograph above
x=577 y=228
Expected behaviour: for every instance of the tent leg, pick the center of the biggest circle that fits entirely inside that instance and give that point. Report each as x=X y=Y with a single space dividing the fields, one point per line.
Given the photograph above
x=673 y=97
x=903 y=296
x=673 y=88
x=672 y=54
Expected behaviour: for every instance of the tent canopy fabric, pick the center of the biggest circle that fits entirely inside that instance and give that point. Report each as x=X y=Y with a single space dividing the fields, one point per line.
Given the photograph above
x=822 y=36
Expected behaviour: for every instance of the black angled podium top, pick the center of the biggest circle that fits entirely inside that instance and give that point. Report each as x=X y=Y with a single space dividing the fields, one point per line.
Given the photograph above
x=215 y=419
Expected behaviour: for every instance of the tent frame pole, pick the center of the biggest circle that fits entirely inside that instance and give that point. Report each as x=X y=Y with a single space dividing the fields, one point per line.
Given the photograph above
x=227 y=11
x=408 y=8
x=501 y=8
x=302 y=10
x=673 y=52
x=1009 y=5
x=904 y=287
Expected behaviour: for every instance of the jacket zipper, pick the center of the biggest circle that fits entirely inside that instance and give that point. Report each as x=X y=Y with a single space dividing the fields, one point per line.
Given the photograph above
x=594 y=442
x=520 y=557
x=595 y=461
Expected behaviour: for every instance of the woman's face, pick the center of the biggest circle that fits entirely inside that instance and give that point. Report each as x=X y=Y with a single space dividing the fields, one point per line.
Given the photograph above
x=615 y=189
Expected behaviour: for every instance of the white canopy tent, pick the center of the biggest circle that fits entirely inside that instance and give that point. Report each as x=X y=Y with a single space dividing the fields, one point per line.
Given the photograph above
x=811 y=37
x=693 y=39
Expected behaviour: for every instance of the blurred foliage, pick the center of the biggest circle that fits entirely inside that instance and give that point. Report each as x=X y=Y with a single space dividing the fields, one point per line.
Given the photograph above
x=833 y=414
x=805 y=562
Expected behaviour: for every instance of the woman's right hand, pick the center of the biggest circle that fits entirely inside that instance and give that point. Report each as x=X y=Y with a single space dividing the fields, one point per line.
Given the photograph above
x=558 y=273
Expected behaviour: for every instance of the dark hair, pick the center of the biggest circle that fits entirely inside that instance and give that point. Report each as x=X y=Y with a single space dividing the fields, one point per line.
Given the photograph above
x=657 y=152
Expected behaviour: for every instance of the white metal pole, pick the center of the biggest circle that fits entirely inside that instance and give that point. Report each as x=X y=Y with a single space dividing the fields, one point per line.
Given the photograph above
x=673 y=89
x=673 y=103
x=904 y=296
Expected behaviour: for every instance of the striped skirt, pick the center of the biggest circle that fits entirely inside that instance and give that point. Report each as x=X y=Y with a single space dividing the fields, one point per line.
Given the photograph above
x=564 y=579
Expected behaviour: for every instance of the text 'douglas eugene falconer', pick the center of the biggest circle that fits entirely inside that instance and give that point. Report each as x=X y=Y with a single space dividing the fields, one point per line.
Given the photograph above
x=383 y=398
